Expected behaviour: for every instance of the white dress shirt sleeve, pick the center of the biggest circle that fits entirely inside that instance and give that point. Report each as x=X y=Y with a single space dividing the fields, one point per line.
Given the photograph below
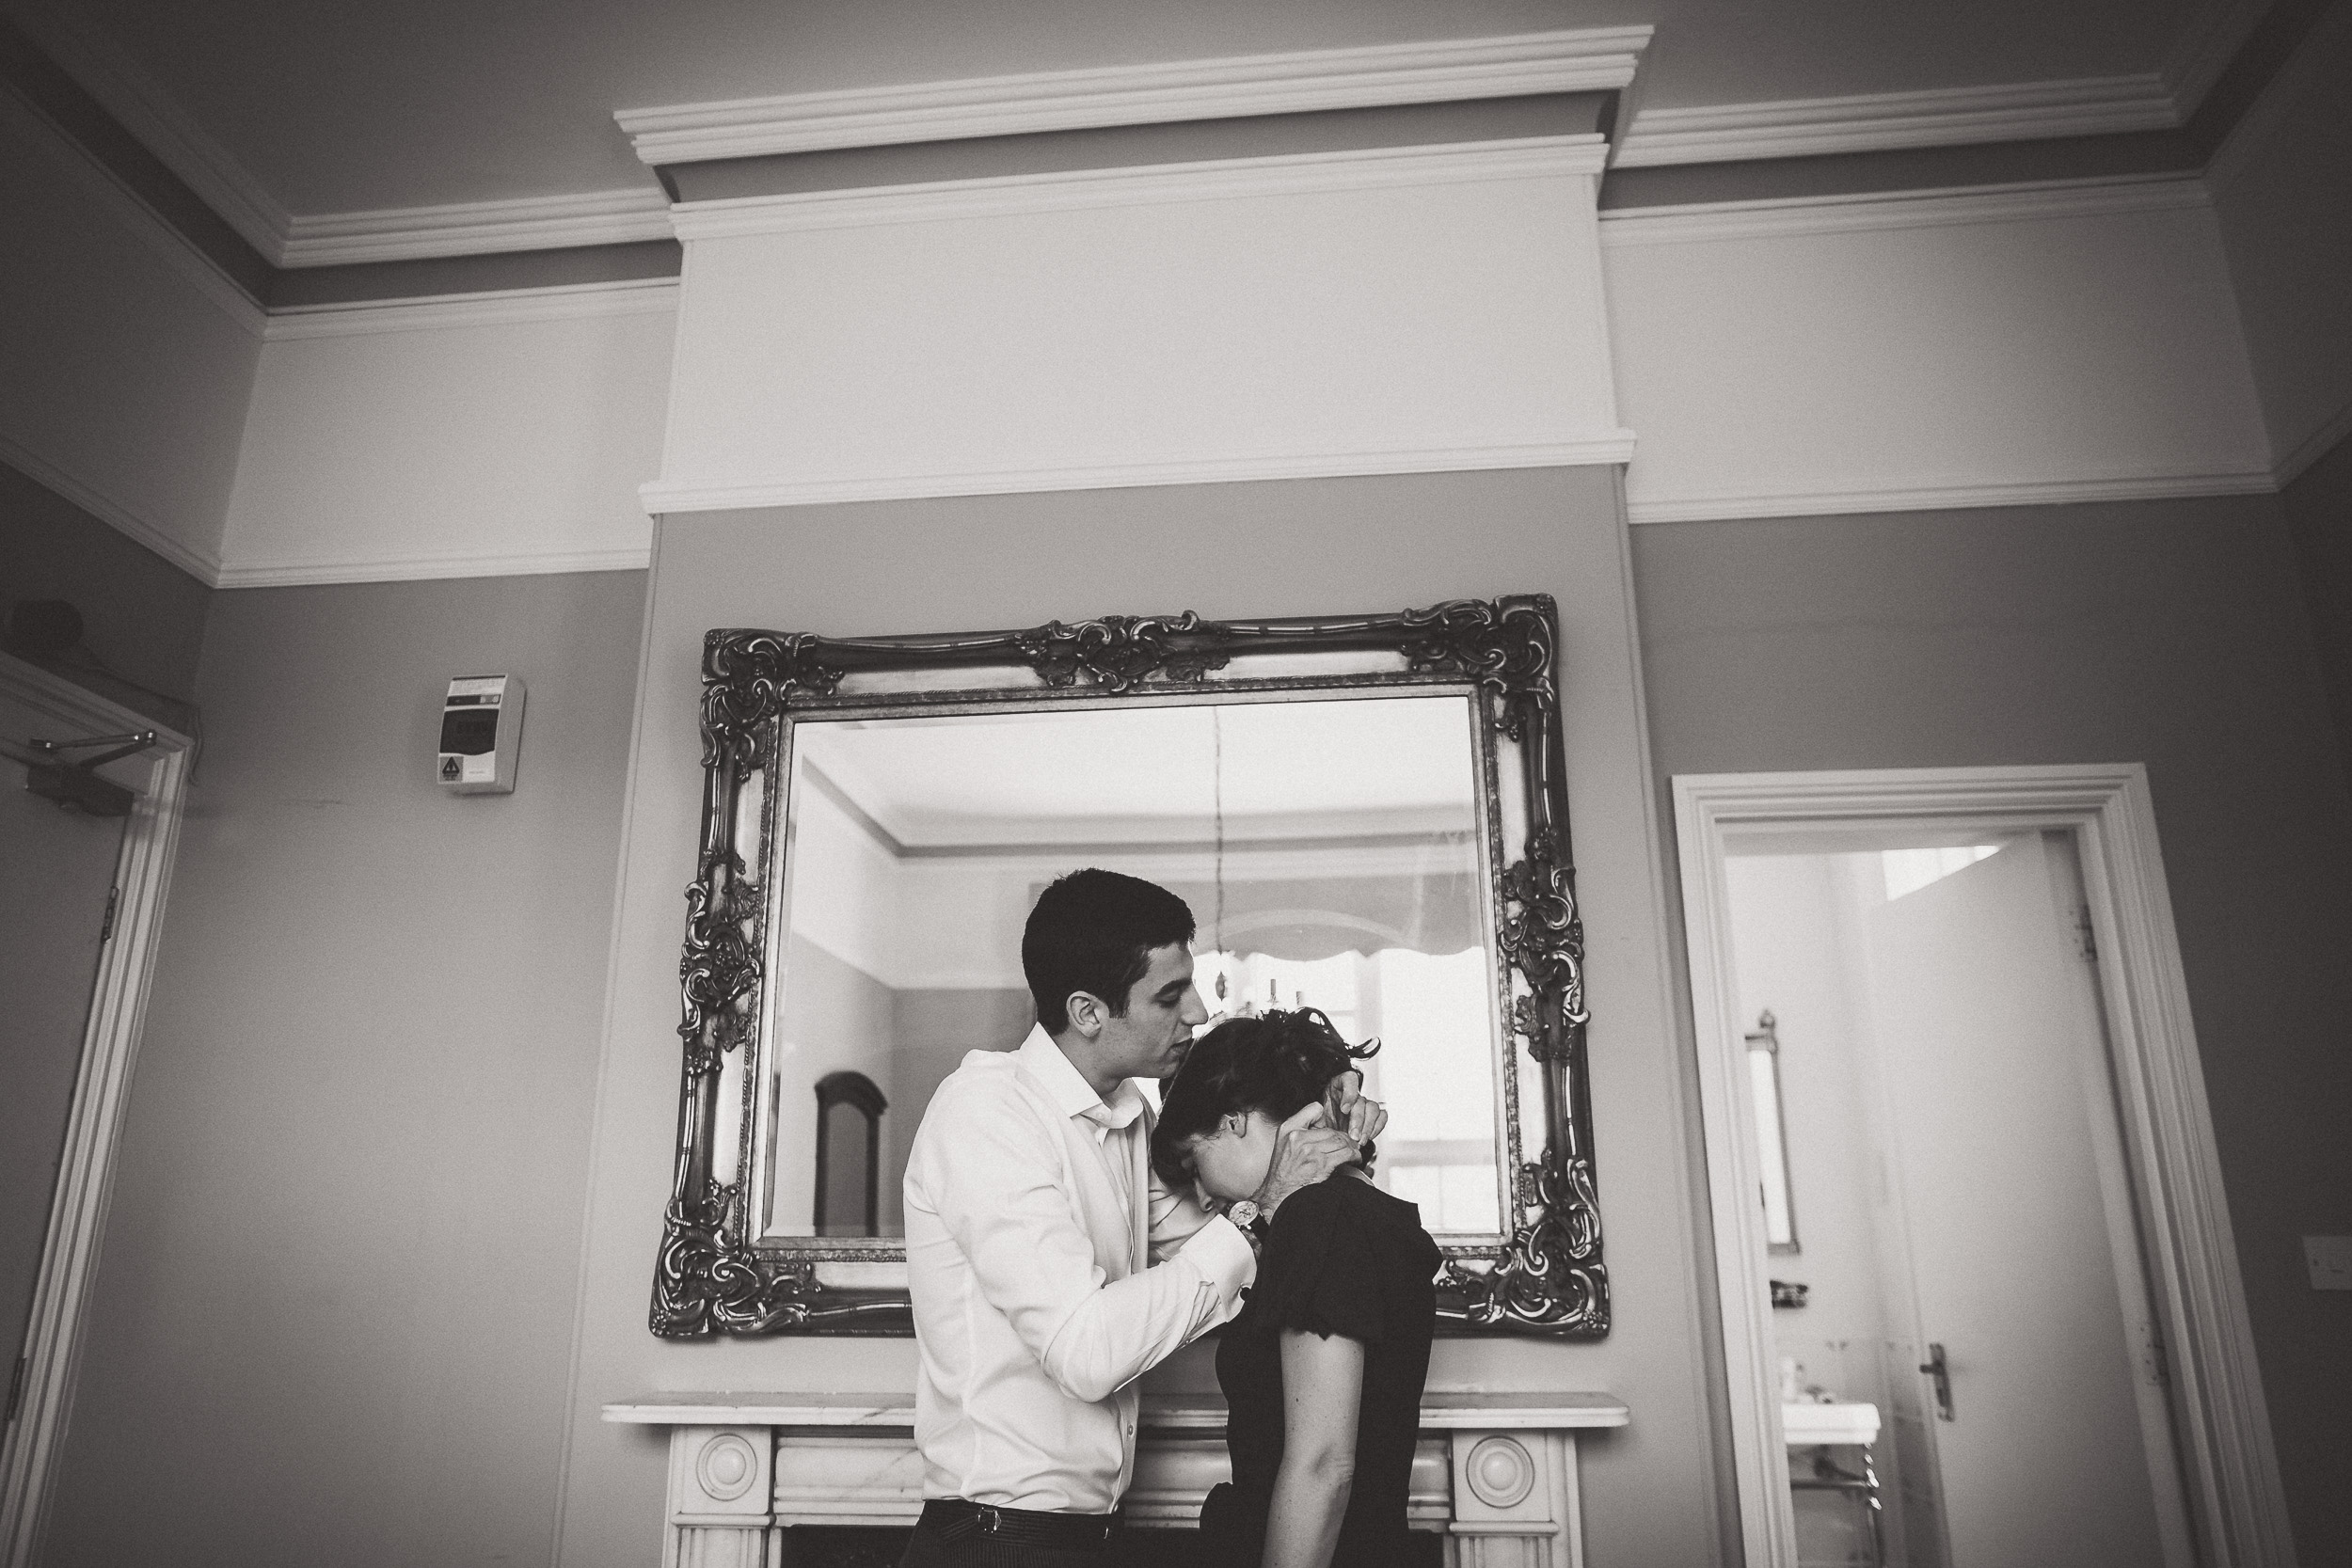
x=1000 y=1196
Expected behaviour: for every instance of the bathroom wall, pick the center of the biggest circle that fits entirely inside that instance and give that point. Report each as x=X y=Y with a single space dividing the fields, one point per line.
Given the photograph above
x=1787 y=947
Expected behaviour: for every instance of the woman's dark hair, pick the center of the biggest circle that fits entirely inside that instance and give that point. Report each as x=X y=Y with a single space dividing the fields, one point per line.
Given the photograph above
x=1094 y=931
x=1275 y=1062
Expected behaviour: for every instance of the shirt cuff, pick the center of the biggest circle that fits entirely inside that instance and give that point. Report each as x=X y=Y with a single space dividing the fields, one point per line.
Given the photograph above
x=1223 y=1255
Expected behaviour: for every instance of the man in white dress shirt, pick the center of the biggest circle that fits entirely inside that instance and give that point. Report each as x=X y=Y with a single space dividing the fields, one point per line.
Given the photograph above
x=1048 y=1269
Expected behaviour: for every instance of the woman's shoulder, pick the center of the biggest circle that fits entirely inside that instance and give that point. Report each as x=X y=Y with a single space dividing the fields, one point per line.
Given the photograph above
x=1344 y=1257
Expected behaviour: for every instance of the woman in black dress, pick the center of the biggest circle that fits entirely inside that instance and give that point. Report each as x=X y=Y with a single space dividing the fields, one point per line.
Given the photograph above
x=1323 y=1368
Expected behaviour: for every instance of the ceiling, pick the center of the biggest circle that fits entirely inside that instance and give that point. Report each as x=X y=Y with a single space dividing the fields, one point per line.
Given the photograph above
x=1159 y=772
x=354 y=105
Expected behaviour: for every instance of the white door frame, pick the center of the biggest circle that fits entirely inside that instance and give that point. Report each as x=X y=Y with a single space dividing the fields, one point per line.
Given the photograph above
x=77 y=1213
x=2231 y=1467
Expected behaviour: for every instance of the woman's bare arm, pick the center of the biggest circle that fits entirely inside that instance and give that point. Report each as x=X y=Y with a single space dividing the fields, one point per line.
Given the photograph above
x=1323 y=1381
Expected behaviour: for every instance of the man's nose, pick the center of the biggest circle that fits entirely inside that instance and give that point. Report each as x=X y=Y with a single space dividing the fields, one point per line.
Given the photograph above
x=1195 y=1012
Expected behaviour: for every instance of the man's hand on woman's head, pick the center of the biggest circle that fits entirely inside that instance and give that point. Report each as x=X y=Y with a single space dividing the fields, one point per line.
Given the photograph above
x=1306 y=1150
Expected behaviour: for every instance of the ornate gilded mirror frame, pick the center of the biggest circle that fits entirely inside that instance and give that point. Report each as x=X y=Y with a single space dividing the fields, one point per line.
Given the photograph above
x=1545 y=1277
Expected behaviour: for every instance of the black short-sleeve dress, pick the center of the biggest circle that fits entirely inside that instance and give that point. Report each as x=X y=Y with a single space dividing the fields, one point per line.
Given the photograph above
x=1343 y=1258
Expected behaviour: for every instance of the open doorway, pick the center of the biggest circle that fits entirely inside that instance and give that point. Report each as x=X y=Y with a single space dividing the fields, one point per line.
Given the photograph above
x=1978 y=1301
x=86 y=851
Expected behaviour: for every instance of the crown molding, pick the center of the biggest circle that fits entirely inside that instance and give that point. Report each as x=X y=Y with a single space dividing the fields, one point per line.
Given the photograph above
x=1438 y=70
x=198 y=564
x=1940 y=498
x=635 y=296
x=426 y=568
x=2205 y=48
x=2317 y=61
x=1703 y=222
x=1879 y=122
x=477 y=228
x=1532 y=157
x=157 y=233
x=2312 y=447
x=666 y=496
x=125 y=90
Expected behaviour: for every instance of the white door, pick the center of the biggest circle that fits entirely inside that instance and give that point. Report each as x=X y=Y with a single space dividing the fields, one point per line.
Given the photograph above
x=57 y=869
x=1999 y=1120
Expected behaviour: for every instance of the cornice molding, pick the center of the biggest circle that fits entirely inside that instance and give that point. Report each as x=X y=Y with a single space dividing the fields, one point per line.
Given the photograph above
x=666 y=496
x=1534 y=157
x=142 y=107
x=160 y=236
x=1952 y=497
x=1439 y=71
x=1701 y=223
x=424 y=568
x=2204 y=50
x=2312 y=447
x=198 y=563
x=2317 y=62
x=1879 y=122
x=477 y=228
x=636 y=296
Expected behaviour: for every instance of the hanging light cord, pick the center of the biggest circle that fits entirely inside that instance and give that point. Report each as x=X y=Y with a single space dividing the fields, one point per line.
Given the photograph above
x=1216 y=746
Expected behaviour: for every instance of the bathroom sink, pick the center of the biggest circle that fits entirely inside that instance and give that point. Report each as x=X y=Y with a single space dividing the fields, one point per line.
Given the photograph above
x=1808 y=1424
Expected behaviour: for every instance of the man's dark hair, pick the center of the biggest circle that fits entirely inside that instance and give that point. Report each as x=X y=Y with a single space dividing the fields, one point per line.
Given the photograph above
x=1276 y=1062
x=1094 y=930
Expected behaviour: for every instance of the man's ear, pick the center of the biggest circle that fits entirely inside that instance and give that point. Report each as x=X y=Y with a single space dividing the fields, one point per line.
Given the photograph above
x=1086 y=1013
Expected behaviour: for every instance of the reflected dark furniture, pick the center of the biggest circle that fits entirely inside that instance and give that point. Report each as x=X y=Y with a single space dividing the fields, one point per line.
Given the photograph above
x=849 y=1184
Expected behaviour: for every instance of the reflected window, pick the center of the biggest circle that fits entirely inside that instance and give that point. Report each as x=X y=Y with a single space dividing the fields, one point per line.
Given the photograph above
x=1772 y=1134
x=849 y=1155
x=1435 y=1070
x=1908 y=870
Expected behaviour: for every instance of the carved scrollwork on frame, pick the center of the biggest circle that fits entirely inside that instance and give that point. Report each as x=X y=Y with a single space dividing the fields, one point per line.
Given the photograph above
x=1545 y=1276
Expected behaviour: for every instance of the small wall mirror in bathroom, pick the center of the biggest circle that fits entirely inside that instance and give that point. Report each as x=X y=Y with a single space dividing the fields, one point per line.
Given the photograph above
x=1772 y=1132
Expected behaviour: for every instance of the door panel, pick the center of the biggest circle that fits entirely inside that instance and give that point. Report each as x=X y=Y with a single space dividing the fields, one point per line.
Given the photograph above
x=56 y=870
x=1982 y=1001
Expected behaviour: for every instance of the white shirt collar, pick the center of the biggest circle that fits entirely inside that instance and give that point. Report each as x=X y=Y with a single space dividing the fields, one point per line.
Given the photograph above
x=1071 y=1095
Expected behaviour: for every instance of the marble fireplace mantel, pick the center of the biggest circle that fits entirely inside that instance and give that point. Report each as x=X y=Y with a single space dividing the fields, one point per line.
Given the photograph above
x=1495 y=1474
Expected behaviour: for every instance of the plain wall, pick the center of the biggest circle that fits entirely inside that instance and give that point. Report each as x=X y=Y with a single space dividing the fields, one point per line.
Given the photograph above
x=2168 y=633
x=2282 y=187
x=837 y=1019
x=1787 y=949
x=335 y=1294
x=2319 y=517
x=142 y=617
x=125 y=361
x=453 y=439
x=1293 y=547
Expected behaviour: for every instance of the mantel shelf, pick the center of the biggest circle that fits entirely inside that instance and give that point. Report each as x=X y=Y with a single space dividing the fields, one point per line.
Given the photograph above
x=1440 y=1412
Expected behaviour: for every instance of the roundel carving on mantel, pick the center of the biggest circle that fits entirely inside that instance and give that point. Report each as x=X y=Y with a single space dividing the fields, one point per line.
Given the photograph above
x=1501 y=1472
x=727 y=1467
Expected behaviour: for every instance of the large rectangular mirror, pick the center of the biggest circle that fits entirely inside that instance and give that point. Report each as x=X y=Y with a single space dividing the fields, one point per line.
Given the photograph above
x=1363 y=814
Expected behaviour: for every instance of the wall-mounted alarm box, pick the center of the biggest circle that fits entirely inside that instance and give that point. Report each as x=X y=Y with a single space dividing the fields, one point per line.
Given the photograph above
x=482 y=733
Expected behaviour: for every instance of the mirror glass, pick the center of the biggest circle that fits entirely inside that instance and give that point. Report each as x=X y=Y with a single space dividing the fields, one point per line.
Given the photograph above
x=1772 y=1134
x=1335 y=853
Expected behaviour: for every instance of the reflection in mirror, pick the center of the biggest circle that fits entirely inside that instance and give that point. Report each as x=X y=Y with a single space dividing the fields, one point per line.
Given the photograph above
x=849 y=1155
x=1772 y=1132
x=1334 y=852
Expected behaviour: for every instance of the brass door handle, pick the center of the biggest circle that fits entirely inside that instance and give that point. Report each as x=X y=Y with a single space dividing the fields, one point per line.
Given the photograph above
x=1937 y=1368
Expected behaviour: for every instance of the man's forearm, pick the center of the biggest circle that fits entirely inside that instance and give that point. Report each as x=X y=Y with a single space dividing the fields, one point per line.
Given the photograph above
x=1126 y=1328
